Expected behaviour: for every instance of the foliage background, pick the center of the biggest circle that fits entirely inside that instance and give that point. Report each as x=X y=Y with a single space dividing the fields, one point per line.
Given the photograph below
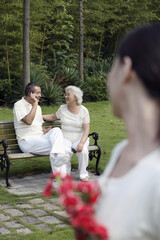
x=54 y=43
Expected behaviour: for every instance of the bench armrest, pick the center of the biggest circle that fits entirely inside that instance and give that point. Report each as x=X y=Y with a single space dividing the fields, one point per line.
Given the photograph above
x=4 y=145
x=95 y=137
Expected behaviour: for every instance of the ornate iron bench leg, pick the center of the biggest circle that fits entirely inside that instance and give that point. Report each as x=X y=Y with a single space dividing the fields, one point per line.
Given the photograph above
x=4 y=160
x=7 y=170
x=5 y=163
x=95 y=154
x=97 y=161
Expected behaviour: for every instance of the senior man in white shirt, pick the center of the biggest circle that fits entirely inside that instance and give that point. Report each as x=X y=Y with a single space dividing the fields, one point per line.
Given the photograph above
x=31 y=136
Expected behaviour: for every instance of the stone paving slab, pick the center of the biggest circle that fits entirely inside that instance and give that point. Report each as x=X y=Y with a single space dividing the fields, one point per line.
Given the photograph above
x=24 y=231
x=55 y=201
x=36 y=201
x=13 y=212
x=43 y=227
x=49 y=206
x=24 y=206
x=4 y=217
x=62 y=213
x=30 y=220
x=5 y=206
x=13 y=224
x=4 y=230
x=37 y=212
x=50 y=220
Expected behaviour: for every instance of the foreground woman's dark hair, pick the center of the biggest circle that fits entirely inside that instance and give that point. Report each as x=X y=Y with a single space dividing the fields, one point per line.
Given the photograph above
x=143 y=47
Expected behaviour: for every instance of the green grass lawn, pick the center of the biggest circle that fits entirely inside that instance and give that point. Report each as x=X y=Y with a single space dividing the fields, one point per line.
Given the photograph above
x=110 y=130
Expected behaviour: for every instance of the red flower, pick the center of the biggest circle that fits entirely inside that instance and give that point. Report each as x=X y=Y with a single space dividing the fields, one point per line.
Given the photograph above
x=70 y=201
x=66 y=186
x=85 y=222
x=102 y=232
x=89 y=226
x=78 y=200
x=48 y=189
x=83 y=209
x=67 y=178
x=54 y=175
x=89 y=191
x=93 y=197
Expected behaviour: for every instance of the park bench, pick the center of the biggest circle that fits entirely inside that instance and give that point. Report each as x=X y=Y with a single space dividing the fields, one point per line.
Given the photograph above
x=9 y=149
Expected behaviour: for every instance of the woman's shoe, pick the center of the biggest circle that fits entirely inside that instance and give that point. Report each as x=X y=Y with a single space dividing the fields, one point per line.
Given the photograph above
x=86 y=179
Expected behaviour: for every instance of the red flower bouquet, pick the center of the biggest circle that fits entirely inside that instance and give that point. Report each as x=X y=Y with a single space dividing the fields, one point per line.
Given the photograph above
x=78 y=198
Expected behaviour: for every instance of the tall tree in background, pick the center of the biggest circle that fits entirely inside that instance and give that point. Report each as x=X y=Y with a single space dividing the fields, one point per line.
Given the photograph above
x=81 y=38
x=26 y=50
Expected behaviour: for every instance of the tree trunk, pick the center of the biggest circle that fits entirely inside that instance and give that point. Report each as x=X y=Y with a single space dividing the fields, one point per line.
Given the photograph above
x=100 y=46
x=42 y=48
x=81 y=38
x=7 y=58
x=26 y=50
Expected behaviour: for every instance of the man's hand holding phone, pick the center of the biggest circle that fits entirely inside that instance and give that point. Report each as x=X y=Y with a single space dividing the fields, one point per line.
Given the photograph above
x=33 y=98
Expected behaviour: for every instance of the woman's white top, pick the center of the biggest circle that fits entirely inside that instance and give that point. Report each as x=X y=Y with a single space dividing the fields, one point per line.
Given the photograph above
x=72 y=124
x=130 y=205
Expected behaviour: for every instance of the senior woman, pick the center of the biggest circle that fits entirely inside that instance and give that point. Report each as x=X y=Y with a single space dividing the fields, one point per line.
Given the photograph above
x=75 y=128
x=130 y=203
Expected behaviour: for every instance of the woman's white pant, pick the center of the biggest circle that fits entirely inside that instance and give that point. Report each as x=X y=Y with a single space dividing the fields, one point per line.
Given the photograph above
x=50 y=143
x=82 y=159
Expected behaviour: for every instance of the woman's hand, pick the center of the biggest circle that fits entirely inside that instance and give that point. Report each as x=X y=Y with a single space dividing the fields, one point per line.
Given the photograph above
x=45 y=130
x=80 y=147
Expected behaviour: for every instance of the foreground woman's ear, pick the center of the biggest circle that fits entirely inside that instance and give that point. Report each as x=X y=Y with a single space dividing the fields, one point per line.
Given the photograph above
x=127 y=69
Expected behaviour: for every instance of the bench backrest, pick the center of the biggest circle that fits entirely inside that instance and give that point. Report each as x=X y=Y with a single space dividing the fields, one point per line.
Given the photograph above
x=7 y=132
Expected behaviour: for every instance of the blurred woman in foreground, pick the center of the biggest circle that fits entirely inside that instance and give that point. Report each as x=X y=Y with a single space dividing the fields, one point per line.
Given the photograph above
x=130 y=203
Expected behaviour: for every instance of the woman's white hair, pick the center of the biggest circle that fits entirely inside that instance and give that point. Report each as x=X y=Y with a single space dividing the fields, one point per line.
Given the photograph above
x=78 y=93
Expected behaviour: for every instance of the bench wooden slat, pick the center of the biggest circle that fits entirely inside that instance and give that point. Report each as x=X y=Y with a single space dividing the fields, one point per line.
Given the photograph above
x=14 y=151
x=6 y=131
x=8 y=136
x=6 y=124
x=11 y=147
x=10 y=124
x=12 y=142
x=23 y=155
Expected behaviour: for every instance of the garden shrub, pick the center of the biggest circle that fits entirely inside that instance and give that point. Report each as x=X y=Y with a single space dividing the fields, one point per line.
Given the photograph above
x=96 y=88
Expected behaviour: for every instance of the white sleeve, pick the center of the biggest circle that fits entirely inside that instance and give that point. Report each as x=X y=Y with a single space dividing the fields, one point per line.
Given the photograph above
x=42 y=121
x=59 y=112
x=19 y=111
x=86 y=118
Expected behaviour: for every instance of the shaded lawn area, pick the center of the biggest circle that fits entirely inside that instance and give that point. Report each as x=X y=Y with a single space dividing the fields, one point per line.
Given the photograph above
x=109 y=128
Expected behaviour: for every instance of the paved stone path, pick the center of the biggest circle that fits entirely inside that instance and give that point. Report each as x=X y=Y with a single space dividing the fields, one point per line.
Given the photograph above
x=33 y=212
x=24 y=218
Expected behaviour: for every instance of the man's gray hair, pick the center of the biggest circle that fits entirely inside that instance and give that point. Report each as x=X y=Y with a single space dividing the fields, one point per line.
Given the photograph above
x=78 y=93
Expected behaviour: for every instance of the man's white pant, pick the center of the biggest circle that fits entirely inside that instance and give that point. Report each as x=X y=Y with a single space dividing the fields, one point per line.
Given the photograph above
x=82 y=159
x=50 y=143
